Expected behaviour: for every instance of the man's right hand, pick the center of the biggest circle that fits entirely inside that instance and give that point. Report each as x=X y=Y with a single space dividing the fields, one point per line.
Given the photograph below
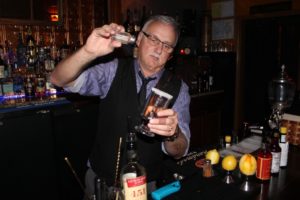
x=99 y=43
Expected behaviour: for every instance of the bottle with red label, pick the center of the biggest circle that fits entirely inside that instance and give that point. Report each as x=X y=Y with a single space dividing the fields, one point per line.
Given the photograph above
x=133 y=175
x=264 y=161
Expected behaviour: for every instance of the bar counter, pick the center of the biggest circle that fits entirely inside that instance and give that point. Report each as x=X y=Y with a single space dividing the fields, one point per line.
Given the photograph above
x=36 y=136
x=195 y=186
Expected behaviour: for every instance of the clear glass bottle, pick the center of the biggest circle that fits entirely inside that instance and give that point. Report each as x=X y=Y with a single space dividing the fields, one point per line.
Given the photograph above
x=284 y=145
x=276 y=154
x=133 y=175
x=124 y=38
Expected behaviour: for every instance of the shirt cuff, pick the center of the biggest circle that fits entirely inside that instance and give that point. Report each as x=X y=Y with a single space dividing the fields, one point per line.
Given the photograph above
x=75 y=88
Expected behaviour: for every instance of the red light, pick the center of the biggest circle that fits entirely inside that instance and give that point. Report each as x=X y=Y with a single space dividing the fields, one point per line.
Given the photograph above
x=182 y=52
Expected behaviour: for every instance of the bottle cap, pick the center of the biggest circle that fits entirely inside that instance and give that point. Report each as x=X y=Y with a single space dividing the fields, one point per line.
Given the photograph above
x=227 y=138
x=283 y=130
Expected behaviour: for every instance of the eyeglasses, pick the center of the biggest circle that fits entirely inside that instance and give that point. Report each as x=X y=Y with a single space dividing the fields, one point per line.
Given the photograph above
x=154 y=41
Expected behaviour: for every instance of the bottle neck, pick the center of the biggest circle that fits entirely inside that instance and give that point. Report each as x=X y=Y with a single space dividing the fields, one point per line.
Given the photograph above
x=131 y=148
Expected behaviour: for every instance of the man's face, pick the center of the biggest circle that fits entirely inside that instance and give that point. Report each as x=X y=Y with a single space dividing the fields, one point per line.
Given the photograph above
x=155 y=46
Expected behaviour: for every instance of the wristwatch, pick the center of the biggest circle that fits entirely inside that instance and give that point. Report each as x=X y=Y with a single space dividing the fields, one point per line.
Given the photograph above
x=172 y=137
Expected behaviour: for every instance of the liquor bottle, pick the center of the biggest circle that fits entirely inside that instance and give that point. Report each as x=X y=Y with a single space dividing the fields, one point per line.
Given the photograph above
x=128 y=25
x=276 y=154
x=29 y=86
x=40 y=85
x=2 y=68
x=2 y=64
x=133 y=175
x=21 y=51
x=264 y=161
x=64 y=50
x=284 y=145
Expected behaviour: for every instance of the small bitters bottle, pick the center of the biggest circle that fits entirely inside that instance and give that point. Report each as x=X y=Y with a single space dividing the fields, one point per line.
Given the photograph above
x=284 y=145
x=227 y=141
x=124 y=38
x=276 y=154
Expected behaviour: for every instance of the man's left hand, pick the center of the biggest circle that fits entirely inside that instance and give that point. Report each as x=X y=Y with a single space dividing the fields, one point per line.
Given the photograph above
x=165 y=124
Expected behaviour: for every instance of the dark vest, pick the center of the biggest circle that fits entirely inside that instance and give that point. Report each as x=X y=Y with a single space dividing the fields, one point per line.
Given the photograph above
x=121 y=101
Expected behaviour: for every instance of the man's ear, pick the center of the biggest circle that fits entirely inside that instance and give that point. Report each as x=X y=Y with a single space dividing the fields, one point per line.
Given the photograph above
x=139 y=38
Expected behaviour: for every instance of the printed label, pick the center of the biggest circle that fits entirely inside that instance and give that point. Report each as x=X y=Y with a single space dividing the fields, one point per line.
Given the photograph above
x=135 y=188
x=275 y=162
x=263 y=171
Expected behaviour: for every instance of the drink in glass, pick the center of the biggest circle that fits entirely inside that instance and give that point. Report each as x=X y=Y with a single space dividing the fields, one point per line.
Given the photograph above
x=159 y=100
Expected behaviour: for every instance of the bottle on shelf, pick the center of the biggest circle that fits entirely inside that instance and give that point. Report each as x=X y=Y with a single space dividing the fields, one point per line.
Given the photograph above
x=40 y=82
x=133 y=175
x=284 y=145
x=264 y=161
x=21 y=52
x=276 y=153
x=64 y=50
x=2 y=64
x=128 y=24
x=29 y=86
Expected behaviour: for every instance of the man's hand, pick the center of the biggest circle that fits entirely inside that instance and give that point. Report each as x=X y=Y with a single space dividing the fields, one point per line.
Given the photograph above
x=100 y=43
x=165 y=124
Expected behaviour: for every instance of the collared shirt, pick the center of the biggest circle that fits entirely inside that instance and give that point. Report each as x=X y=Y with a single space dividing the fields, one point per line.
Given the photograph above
x=96 y=81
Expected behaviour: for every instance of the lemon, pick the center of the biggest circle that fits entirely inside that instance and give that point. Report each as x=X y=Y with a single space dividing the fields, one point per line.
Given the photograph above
x=229 y=162
x=213 y=155
x=247 y=164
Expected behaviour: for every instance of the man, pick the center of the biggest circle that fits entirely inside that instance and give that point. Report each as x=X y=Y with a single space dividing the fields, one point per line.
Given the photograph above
x=118 y=83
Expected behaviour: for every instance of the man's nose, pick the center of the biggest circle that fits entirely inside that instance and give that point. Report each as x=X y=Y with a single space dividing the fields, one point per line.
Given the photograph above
x=159 y=48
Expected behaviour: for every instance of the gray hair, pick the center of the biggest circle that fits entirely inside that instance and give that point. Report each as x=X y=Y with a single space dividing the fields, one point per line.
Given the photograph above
x=166 y=20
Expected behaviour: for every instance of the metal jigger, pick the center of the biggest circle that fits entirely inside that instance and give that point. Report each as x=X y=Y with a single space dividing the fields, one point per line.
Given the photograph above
x=281 y=93
x=247 y=185
x=228 y=179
